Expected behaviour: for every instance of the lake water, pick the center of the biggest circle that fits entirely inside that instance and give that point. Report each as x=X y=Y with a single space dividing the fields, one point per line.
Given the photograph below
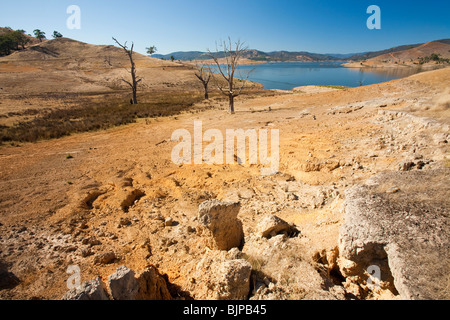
x=289 y=75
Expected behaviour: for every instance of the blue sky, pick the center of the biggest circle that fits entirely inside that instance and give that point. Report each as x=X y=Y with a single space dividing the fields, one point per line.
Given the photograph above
x=321 y=26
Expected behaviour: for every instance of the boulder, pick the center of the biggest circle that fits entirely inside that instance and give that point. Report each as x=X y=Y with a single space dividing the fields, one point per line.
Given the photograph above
x=89 y=290
x=271 y=225
x=218 y=276
x=152 y=285
x=148 y=285
x=404 y=234
x=123 y=285
x=8 y=280
x=105 y=258
x=219 y=225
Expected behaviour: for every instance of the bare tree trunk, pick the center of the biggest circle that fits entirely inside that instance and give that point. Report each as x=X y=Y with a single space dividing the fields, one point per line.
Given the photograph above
x=204 y=78
x=228 y=70
x=206 y=92
x=134 y=79
x=231 y=103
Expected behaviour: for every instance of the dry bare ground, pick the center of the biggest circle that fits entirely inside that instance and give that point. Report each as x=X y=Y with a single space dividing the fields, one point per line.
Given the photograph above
x=117 y=188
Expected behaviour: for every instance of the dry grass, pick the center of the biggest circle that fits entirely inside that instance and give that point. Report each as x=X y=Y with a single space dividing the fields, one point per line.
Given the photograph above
x=76 y=113
x=90 y=115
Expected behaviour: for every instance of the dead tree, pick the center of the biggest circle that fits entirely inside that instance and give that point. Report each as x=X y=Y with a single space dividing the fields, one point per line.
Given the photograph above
x=204 y=76
x=134 y=79
x=228 y=69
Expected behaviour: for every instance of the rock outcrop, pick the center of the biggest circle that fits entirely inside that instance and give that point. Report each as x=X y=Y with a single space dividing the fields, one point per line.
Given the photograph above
x=219 y=225
x=124 y=284
x=152 y=285
x=402 y=234
x=221 y=275
x=89 y=290
x=272 y=225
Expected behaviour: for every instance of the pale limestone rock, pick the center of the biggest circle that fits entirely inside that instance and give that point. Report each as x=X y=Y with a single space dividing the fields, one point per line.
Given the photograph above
x=219 y=225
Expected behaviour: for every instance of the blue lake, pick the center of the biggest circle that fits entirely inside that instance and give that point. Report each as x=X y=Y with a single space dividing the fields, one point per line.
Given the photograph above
x=289 y=75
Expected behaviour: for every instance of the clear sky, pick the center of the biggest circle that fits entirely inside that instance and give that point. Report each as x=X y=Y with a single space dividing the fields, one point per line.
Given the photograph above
x=320 y=26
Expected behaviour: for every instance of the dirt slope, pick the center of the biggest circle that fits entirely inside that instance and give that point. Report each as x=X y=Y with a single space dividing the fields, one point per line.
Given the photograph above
x=66 y=65
x=413 y=54
x=407 y=57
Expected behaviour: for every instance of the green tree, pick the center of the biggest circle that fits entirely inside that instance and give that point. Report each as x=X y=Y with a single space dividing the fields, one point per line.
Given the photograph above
x=22 y=38
x=39 y=34
x=172 y=58
x=56 y=34
x=151 y=50
x=435 y=57
x=6 y=44
x=12 y=40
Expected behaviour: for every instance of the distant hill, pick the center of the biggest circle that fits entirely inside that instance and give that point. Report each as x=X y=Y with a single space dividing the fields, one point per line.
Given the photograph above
x=424 y=50
x=287 y=56
x=255 y=55
x=384 y=53
x=198 y=55
x=372 y=54
x=66 y=65
x=344 y=55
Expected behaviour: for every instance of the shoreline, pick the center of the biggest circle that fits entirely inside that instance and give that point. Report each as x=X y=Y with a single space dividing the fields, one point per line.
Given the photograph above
x=360 y=65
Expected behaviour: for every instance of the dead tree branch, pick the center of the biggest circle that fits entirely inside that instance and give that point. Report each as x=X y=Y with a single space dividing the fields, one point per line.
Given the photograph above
x=228 y=69
x=204 y=76
x=134 y=79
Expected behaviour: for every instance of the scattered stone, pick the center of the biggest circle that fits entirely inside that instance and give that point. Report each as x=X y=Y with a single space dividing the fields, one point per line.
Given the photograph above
x=105 y=258
x=89 y=290
x=219 y=224
x=292 y=196
x=112 y=236
x=123 y=285
x=406 y=165
x=71 y=248
x=158 y=217
x=168 y=222
x=83 y=225
x=168 y=242
x=124 y=222
x=92 y=241
x=420 y=164
x=393 y=190
x=86 y=252
x=272 y=225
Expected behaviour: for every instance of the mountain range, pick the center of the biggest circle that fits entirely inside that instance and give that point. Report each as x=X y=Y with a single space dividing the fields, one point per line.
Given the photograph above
x=287 y=56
